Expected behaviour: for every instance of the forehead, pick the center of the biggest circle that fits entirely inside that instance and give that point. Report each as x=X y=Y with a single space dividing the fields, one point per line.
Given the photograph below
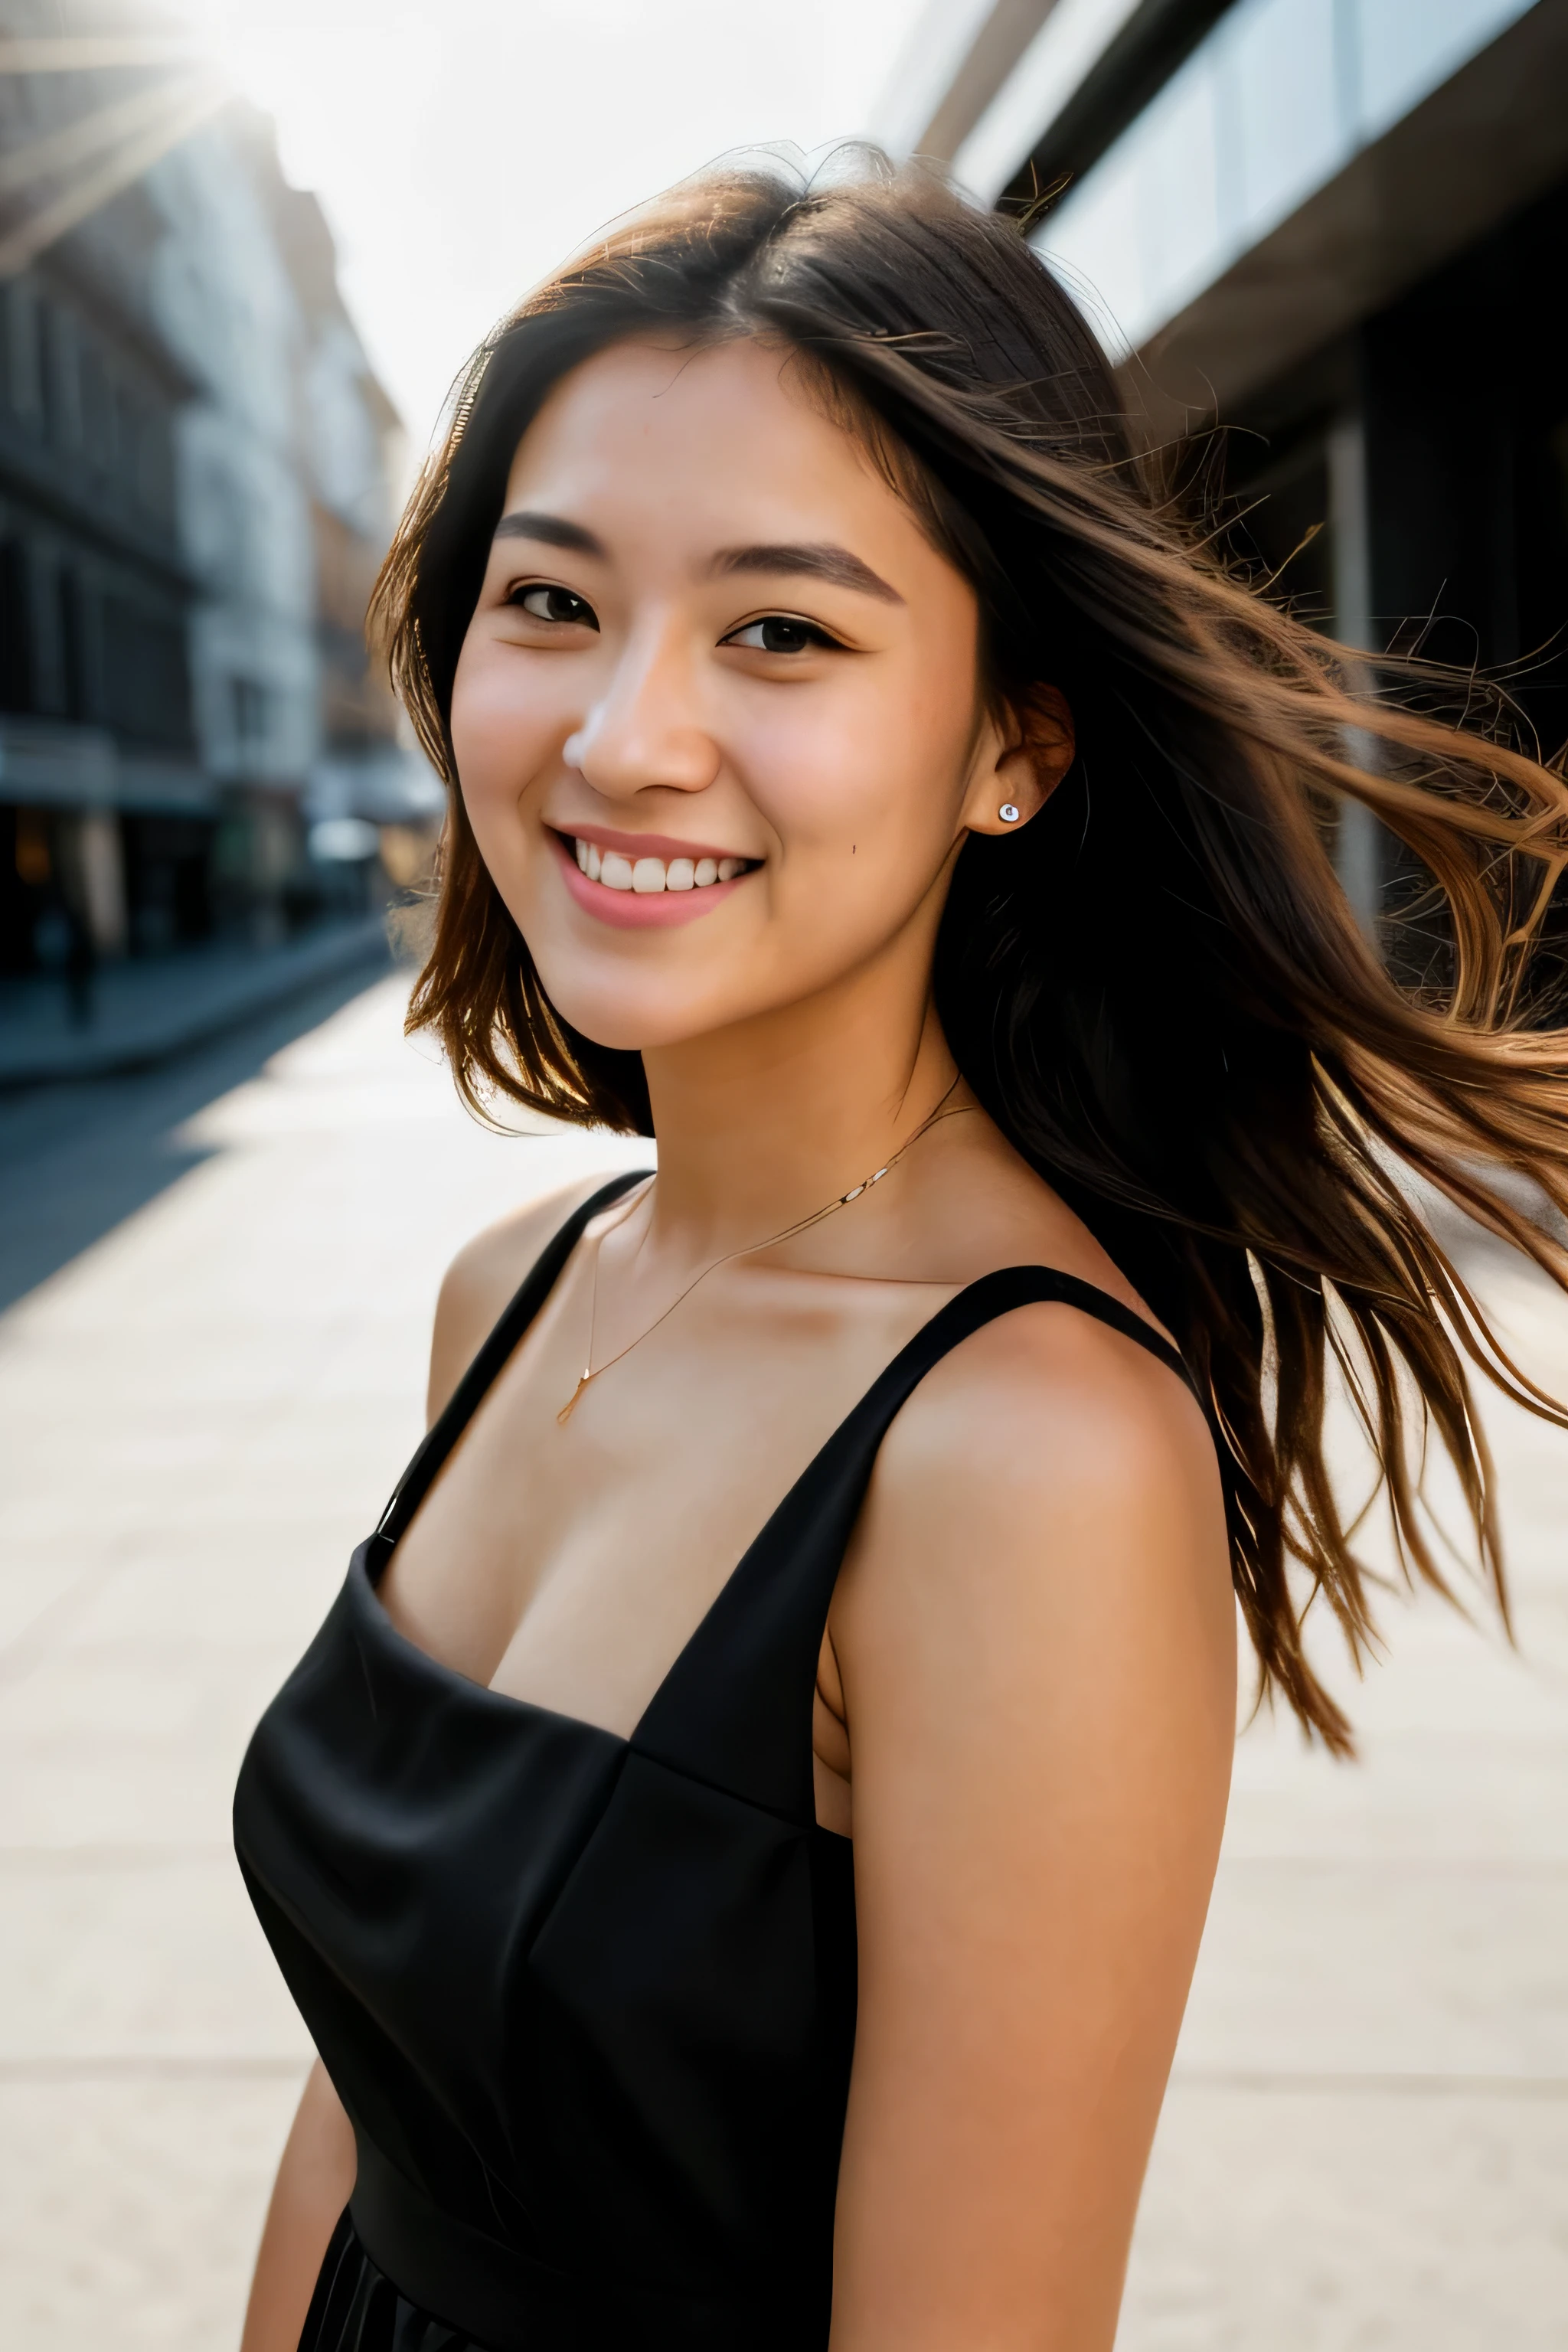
x=732 y=439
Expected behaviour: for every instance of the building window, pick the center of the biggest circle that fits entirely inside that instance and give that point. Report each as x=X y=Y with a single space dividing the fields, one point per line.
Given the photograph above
x=15 y=628
x=71 y=621
x=24 y=379
x=62 y=380
x=251 y=702
x=146 y=688
x=97 y=411
x=130 y=425
x=155 y=466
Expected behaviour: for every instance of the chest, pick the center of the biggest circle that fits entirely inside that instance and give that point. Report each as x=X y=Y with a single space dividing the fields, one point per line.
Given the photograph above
x=568 y=1564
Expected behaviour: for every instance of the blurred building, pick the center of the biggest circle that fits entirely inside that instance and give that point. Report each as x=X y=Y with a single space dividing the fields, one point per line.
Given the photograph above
x=196 y=472
x=1340 y=228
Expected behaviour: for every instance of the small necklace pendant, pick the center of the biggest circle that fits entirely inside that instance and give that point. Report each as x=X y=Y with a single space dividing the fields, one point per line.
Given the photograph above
x=570 y=1407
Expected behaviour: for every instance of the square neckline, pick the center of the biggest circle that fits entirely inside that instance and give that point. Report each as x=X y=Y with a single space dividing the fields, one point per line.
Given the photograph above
x=732 y=1576
x=1032 y=1284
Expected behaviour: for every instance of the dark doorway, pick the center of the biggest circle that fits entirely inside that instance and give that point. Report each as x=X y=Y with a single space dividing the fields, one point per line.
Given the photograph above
x=168 y=880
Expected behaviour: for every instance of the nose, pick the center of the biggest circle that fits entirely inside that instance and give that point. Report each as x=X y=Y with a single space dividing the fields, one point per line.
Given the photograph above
x=645 y=731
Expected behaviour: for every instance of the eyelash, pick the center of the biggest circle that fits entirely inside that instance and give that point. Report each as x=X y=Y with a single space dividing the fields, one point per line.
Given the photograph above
x=816 y=638
x=520 y=595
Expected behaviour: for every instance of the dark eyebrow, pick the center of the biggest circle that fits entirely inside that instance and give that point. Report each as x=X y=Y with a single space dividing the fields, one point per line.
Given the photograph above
x=551 y=530
x=834 y=564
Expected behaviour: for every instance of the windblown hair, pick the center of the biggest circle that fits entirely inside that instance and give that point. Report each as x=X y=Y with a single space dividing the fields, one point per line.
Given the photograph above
x=1159 y=989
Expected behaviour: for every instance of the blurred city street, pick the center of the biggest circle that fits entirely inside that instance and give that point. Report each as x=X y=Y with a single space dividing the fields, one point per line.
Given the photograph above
x=1366 y=2142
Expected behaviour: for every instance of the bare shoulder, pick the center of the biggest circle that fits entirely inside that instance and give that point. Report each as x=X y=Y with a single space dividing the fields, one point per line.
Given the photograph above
x=1050 y=1493
x=1049 y=1397
x=484 y=1276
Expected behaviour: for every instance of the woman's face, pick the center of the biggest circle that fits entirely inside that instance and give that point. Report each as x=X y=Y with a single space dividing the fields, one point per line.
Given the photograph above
x=717 y=716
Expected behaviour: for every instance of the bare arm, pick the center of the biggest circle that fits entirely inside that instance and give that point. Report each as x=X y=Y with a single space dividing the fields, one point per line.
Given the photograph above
x=1037 y=1638
x=313 y=2185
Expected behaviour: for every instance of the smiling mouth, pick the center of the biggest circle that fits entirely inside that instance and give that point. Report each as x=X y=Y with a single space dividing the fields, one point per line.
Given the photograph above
x=652 y=877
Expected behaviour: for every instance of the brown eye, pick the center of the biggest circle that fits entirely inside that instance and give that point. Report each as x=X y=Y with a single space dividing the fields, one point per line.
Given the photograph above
x=558 y=605
x=780 y=635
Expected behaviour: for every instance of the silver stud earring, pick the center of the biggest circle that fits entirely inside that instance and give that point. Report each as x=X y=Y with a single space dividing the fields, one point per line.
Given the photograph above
x=1008 y=813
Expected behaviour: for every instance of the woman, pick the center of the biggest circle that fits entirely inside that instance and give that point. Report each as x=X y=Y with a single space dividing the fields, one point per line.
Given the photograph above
x=861 y=782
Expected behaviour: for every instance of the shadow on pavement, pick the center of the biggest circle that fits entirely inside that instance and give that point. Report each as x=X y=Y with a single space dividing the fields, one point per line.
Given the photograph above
x=78 y=1159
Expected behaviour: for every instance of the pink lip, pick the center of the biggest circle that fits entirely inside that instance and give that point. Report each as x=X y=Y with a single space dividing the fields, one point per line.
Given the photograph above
x=639 y=911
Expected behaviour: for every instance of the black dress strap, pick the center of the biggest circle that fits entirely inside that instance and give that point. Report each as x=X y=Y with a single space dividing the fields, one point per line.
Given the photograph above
x=464 y=1401
x=735 y=1709
x=1035 y=1286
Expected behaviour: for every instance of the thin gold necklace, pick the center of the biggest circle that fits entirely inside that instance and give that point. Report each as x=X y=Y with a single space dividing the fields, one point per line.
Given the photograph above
x=591 y=1372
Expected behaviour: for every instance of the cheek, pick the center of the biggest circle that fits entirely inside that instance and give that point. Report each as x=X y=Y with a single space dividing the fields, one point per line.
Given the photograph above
x=882 y=766
x=500 y=731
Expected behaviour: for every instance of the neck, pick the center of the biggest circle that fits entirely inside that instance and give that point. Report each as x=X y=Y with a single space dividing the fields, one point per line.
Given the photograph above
x=762 y=1123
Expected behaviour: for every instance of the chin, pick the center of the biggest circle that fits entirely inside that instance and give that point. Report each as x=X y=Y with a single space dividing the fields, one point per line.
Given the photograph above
x=633 y=1019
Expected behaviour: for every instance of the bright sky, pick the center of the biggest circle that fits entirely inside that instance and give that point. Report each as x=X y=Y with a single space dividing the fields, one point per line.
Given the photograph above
x=460 y=148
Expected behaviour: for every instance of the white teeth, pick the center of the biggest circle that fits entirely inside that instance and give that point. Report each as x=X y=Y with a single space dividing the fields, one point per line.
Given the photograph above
x=651 y=875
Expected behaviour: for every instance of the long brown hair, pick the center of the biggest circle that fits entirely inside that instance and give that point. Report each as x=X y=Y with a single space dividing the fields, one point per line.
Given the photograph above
x=1159 y=990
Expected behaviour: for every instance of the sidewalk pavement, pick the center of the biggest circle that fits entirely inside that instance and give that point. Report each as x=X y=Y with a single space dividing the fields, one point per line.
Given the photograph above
x=146 y=1012
x=1366 y=2142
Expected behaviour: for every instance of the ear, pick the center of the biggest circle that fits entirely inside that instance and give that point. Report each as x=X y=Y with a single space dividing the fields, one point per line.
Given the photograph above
x=1029 y=750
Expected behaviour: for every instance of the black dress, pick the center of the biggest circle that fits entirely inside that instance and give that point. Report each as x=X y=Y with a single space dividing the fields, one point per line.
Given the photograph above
x=588 y=2002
